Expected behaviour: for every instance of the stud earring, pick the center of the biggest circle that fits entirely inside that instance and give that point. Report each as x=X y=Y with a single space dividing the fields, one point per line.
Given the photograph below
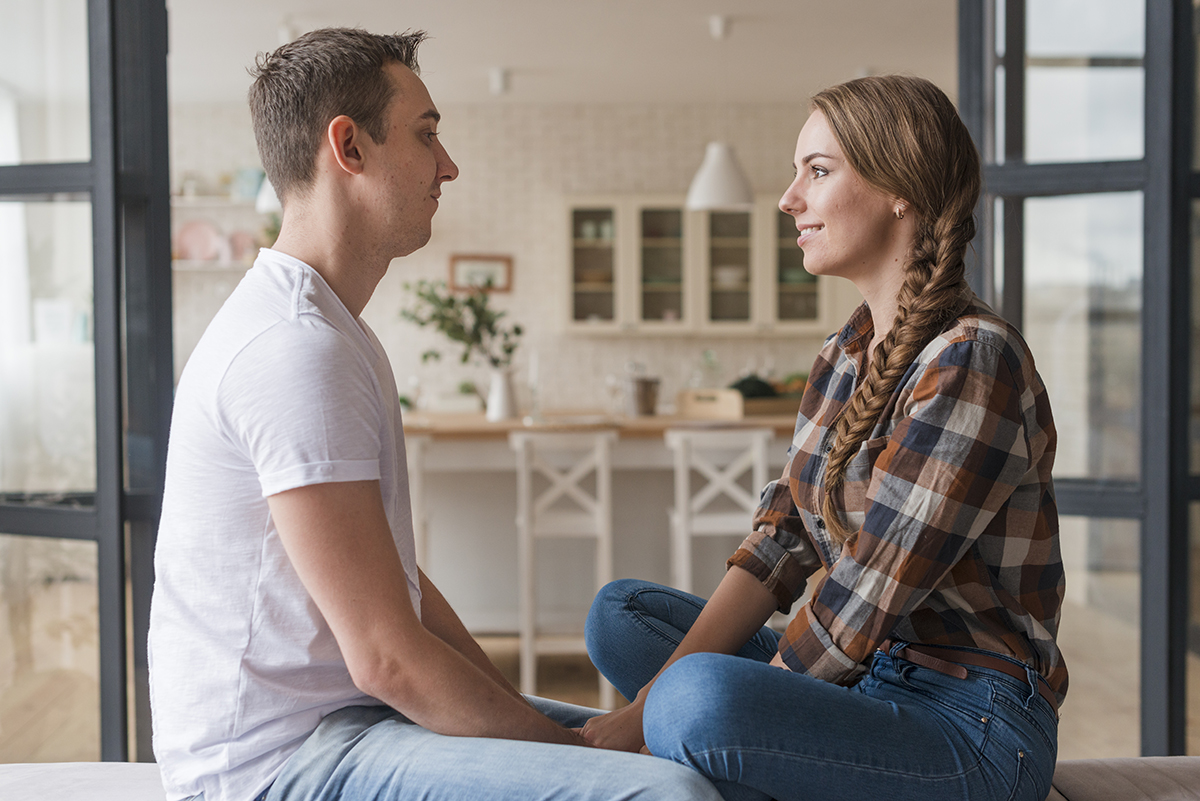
x=899 y=212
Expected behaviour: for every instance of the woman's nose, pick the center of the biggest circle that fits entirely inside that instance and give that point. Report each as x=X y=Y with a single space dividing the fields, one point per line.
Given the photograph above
x=791 y=202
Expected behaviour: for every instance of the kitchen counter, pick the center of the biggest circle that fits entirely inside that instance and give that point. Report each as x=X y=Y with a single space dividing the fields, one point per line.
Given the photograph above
x=448 y=426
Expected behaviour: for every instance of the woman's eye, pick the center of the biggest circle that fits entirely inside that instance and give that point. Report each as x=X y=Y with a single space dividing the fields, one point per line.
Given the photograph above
x=819 y=171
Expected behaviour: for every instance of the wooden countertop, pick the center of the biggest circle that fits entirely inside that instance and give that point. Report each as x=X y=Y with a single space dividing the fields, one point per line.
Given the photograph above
x=449 y=426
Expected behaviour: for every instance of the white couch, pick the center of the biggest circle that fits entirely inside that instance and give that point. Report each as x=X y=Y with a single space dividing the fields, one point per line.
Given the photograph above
x=81 y=781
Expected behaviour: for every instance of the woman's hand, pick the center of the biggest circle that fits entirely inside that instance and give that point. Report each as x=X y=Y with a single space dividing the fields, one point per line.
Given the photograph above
x=617 y=731
x=777 y=661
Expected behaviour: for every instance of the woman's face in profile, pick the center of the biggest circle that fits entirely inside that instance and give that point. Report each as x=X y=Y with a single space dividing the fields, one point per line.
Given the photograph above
x=847 y=228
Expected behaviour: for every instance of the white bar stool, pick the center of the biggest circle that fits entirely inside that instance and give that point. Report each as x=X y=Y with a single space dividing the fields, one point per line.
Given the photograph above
x=414 y=449
x=722 y=457
x=539 y=516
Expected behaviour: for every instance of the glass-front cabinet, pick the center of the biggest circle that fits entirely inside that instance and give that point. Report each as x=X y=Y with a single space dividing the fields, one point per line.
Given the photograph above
x=797 y=298
x=593 y=265
x=647 y=264
x=728 y=290
x=660 y=277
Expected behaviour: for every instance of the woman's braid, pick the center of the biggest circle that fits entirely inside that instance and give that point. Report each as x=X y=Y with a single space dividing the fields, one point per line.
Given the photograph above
x=935 y=168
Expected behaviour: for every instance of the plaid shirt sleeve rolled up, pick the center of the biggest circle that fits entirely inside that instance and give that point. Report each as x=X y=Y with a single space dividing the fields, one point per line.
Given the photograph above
x=951 y=497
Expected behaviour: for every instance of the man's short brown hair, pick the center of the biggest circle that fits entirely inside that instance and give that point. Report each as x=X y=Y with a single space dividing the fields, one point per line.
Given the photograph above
x=303 y=85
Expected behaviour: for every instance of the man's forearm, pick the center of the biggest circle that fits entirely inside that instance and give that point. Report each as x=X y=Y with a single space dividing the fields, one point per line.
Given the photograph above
x=437 y=687
x=439 y=617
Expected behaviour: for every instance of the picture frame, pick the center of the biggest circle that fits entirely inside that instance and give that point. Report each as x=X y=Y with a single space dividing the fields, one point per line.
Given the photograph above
x=471 y=272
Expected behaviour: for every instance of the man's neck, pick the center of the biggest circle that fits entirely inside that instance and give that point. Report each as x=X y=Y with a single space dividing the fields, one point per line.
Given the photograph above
x=350 y=266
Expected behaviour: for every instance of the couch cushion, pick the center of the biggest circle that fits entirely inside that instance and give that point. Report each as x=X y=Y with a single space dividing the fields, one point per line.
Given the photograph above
x=1133 y=779
x=74 y=781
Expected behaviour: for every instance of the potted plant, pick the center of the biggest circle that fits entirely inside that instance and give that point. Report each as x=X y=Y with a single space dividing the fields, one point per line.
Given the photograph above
x=468 y=320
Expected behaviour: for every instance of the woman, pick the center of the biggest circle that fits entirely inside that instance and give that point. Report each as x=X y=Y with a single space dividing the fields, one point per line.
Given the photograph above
x=925 y=665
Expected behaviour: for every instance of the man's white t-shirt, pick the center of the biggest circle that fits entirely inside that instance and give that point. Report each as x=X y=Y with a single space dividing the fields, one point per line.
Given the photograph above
x=285 y=389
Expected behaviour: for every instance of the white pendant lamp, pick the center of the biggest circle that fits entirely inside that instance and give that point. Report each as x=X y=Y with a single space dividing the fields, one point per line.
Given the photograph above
x=720 y=183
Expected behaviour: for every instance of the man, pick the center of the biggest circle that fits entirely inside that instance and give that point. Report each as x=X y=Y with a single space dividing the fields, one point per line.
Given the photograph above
x=297 y=652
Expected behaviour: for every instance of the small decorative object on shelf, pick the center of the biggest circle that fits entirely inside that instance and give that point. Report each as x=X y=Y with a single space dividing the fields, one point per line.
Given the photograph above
x=468 y=320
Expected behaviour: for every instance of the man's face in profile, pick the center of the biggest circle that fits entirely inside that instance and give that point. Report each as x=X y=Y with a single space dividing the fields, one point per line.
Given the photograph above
x=409 y=167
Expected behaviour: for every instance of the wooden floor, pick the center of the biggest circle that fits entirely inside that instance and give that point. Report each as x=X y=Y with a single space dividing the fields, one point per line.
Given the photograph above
x=49 y=695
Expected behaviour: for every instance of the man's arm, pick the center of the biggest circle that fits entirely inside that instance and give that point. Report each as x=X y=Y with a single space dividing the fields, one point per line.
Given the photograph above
x=337 y=537
x=440 y=618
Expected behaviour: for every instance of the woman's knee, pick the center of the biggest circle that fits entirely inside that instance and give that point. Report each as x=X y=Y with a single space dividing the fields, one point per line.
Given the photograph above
x=689 y=703
x=606 y=617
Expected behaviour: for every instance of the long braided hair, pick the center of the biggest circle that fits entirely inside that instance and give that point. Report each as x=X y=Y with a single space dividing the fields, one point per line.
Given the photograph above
x=903 y=137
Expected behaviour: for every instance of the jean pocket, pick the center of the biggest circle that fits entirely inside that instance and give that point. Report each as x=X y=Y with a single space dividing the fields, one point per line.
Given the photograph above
x=1032 y=783
x=965 y=704
x=1038 y=719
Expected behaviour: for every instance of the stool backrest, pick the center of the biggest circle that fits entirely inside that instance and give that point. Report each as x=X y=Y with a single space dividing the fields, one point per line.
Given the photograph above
x=722 y=457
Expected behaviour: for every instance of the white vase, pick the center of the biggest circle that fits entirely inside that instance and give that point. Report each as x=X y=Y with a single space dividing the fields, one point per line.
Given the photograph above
x=501 y=400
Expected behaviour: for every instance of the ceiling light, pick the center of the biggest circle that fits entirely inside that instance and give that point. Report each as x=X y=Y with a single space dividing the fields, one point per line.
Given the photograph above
x=718 y=26
x=720 y=182
x=498 y=81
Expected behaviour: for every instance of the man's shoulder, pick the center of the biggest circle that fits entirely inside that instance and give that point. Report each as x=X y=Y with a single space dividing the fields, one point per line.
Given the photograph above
x=277 y=306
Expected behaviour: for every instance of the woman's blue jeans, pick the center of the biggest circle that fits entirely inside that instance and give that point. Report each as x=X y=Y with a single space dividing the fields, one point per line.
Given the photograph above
x=758 y=732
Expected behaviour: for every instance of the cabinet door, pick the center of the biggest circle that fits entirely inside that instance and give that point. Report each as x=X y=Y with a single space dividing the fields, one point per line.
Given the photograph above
x=728 y=268
x=662 y=267
x=593 y=265
x=797 y=290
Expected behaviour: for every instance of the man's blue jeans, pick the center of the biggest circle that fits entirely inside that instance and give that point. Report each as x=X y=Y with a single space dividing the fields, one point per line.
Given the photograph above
x=373 y=753
x=903 y=732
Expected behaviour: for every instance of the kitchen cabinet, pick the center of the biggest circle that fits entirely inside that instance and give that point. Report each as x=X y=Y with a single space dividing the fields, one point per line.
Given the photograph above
x=645 y=264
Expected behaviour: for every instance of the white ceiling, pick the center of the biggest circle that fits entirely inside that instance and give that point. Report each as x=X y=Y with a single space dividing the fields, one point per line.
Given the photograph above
x=644 y=51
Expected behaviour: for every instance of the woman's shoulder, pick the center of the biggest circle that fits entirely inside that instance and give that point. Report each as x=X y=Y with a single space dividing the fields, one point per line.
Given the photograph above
x=978 y=331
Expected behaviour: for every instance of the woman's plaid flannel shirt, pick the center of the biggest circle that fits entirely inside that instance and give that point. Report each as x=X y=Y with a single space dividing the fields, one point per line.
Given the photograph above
x=951 y=497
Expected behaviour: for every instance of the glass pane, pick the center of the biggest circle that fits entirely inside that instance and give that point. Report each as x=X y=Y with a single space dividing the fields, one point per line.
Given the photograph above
x=729 y=257
x=998 y=248
x=1083 y=113
x=592 y=236
x=662 y=264
x=997 y=157
x=1193 y=656
x=47 y=396
x=1083 y=307
x=44 y=81
x=797 y=286
x=1100 y=637
x=1085 y=28
x=1085 y=83
x=49 y=651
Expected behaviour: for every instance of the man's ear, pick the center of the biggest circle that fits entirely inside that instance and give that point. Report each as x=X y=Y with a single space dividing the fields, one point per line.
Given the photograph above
x=345 y=140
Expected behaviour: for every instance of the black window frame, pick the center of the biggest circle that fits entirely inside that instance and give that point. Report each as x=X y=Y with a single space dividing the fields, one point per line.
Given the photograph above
x=127 y=182
x=1160 y=497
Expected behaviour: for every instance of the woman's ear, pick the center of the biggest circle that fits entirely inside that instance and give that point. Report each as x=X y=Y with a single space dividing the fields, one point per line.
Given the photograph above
x=345 y=138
